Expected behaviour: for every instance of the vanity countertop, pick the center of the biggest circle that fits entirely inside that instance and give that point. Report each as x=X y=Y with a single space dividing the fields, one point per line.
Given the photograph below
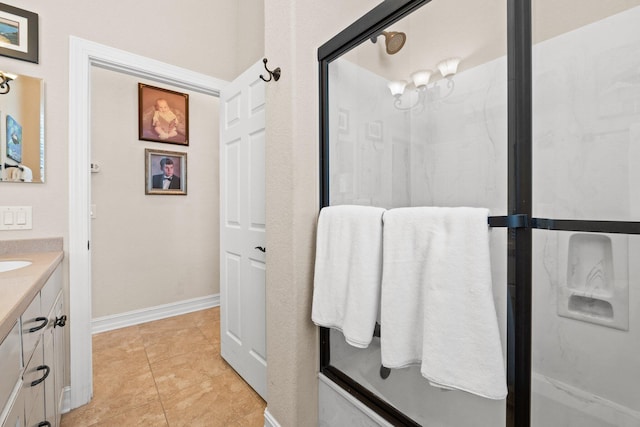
x=19 y=287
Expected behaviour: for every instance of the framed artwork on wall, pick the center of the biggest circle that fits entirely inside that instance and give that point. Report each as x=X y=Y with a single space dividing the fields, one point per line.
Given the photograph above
x=14 y=139
x=18 y=33
x=165 y=172
x=163 y=115
x=374 y=130
x=343 y=121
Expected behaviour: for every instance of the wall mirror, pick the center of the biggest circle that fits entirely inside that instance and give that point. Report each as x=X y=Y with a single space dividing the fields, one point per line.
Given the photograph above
x=22 y=131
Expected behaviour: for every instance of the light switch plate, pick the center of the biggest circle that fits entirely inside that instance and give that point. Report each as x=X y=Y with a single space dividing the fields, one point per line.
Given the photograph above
x=16 y=218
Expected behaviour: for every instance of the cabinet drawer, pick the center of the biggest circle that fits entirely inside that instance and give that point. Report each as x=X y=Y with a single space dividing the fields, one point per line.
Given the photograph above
x=10 y=361
x=33 y=323
x=49 y=292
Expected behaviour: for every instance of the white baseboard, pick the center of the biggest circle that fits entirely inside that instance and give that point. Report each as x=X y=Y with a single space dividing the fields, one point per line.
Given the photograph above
x=135 y=317
x=269 y=420
x=65 y=405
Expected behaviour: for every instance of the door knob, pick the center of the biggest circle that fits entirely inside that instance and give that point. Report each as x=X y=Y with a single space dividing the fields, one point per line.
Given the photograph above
x=261 y=249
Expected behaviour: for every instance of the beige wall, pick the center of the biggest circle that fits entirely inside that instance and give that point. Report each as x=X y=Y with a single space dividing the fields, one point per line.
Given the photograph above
x=150 y=250
x=198 y=35
x=293 y=32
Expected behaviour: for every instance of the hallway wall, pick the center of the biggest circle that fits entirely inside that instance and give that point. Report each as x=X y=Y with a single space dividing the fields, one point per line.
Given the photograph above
x=150 y=250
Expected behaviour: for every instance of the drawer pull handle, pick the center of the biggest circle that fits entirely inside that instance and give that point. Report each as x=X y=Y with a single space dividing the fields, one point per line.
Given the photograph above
x=261 y=249
x=60 y=321
x=44 y=321
x=44 y=424
x=46 y=374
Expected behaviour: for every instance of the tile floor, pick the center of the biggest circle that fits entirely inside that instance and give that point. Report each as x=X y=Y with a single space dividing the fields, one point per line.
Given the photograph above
x=166 y=373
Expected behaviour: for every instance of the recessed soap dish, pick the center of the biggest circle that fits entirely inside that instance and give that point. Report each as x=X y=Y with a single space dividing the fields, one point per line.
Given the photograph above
x=595 y=288
x=591 y=306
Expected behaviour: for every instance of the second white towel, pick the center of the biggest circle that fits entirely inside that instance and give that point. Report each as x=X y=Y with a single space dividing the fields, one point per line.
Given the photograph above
x=437 y=306
x=347 y=277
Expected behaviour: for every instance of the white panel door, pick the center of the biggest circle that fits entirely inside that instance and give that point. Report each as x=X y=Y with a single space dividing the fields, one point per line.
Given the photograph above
x=242 y=228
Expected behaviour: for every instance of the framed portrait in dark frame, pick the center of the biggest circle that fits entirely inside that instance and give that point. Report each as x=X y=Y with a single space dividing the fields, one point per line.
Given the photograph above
x=163 y=115
x=18 y=33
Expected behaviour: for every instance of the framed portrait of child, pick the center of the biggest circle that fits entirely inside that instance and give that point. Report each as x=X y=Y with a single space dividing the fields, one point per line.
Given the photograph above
x=163 y=115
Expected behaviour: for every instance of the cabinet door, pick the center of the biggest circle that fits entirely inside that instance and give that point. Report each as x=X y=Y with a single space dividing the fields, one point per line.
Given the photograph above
x=16 y=414
x=10 y=363
x=54 y=356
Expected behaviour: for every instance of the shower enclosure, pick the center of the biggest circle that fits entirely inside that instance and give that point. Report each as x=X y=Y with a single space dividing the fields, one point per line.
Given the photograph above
x=540 y=123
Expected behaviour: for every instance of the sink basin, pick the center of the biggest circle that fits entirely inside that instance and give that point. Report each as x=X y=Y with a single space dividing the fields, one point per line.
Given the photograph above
x=12 y=265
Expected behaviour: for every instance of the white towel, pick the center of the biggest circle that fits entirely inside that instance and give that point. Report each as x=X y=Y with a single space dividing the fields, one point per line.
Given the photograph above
x=27 y=174
x=437 y=307
x=348 y=271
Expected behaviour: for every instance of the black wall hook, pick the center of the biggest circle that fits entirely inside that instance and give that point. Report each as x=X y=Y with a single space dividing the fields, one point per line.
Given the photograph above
x=275 y=74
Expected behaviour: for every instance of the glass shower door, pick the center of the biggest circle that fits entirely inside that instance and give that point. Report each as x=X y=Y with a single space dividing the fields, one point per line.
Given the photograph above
x=404 y=132
x=586 y=170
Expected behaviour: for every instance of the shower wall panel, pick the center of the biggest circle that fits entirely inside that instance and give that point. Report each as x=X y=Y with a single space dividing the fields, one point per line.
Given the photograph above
x=586 y=294
x=586 y=103
x=451 y=153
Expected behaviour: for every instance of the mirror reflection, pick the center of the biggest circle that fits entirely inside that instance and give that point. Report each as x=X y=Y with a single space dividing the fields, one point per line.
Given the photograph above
x=22 y=131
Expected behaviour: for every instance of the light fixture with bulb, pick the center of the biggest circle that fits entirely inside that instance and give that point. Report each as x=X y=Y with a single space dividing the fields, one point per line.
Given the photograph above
x=420 y=84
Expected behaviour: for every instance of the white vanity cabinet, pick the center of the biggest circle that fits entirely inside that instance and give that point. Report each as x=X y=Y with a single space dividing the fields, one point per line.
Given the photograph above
x=39 y=372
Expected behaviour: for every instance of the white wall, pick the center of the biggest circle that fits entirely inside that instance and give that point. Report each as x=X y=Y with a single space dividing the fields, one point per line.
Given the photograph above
x=586 y=161
x=149 y=250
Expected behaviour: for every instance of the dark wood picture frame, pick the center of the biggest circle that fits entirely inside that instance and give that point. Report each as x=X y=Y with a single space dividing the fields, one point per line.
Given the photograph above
x=19 y=33
x=155 y=162
x=163 y=115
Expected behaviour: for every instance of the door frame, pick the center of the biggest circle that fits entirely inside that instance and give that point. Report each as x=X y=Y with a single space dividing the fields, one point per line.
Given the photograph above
x=84 y=54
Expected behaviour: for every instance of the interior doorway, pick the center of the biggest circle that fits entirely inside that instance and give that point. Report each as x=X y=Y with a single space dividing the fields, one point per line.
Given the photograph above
x=83 y=56
x=153 y=255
